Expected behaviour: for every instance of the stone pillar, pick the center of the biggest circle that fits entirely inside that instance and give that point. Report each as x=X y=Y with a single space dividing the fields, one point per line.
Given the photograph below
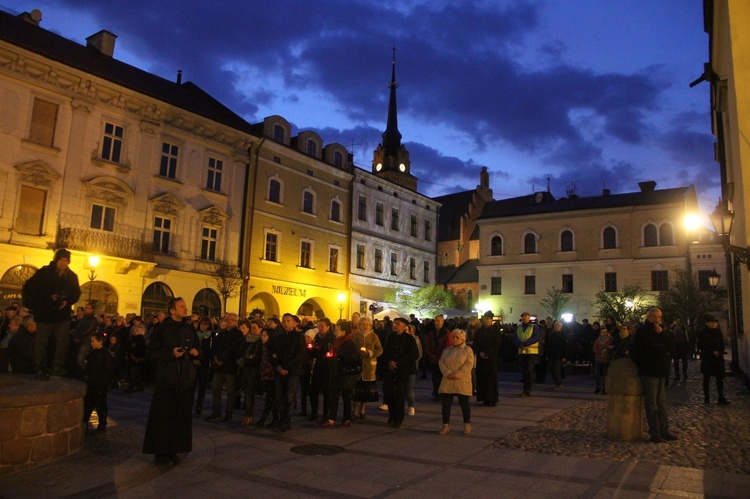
x=624 y=401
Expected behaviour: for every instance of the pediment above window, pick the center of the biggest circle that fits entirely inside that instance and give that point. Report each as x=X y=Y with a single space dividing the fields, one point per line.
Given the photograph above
x=166 y=204
x=37 y=172
x=109 y=189
x=213 y=215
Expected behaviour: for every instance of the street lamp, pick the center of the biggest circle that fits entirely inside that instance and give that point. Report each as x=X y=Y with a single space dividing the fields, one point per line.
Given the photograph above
x=692 y=222
x=342 y=298
x=713 y=279
x=93 y=262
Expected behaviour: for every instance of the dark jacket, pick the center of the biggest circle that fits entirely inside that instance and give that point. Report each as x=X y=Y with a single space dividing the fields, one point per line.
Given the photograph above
x=84 y=328
x=21 y=351
x=487 y=341
x=345 y=354
x=652 y=351
x=322 y=355
x=556 y=347
x=226 y=347
x=290 y=350
x=99 y=367
x=38 y=291
x=710 y=341
x=170 y=372
x=401 y=348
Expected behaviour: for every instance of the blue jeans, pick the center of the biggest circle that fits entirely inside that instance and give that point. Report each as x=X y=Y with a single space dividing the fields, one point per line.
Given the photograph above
x=655 y=395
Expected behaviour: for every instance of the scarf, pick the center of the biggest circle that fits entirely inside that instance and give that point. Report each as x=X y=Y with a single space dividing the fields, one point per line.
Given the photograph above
x=251 y=338
x=203 y=335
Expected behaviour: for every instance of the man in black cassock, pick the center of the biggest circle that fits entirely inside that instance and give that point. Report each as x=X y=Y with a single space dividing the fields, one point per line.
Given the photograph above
x=487 y=349
x=172 y=347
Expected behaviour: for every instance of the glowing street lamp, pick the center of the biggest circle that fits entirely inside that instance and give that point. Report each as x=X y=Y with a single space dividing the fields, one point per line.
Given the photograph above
x=93 y=262
x=692 y=222
x=342 y=298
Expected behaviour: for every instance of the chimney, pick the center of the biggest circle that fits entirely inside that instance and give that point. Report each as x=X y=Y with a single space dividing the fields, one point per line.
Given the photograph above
x=647 y=186
x=605 y=192
x=32 y=17
x=103 y=41
x=179 y=76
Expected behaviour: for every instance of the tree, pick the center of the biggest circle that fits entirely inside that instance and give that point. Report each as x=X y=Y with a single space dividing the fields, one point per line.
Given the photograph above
x=684 y=299
x=555 y=302
x=628 y=305
x=426 y=302
x=226 y=279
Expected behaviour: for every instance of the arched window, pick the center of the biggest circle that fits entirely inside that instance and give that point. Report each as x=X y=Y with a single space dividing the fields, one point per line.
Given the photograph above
x=650 y=236
x=274 y=191
x=155 y=298
x=207 y=303
x=496 y=246
x=335 y=211
x=529 y=243
x=666 y=237
x=609 y=238
x=566 y=240
x=308 y=202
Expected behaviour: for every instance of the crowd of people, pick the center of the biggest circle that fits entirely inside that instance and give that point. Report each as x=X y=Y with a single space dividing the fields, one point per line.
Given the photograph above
x=289 y=363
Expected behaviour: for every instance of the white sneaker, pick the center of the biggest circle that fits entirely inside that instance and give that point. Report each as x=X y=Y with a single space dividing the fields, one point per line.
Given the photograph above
x=383 y=407
x=411 y=411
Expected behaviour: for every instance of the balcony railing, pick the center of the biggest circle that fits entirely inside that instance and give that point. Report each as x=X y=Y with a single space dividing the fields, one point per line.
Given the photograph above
x=105 y=243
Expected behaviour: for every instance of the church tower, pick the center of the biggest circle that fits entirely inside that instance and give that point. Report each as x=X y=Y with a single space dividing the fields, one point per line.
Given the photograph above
x=391 y=159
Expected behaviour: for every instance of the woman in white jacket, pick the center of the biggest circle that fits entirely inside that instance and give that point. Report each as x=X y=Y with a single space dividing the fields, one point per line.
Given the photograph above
x=456 y=364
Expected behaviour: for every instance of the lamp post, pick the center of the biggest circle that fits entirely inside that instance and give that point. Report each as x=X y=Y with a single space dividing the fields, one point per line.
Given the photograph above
x=93 y=262
x=692 y=222
x=342 y=298
x=722 y=218
x=713 y=279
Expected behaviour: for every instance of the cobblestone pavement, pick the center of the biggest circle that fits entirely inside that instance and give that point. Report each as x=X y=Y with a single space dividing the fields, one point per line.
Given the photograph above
x=711 y=437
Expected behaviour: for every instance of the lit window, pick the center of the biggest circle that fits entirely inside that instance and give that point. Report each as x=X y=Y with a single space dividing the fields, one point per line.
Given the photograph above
x=102 y=218
x=112 y=142
x=162 y=233
x=43 y=122
x=168 y=166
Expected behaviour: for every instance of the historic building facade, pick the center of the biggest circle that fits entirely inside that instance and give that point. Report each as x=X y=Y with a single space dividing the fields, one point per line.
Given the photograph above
x=393 y=228
x=580 y=246
x=113 y=162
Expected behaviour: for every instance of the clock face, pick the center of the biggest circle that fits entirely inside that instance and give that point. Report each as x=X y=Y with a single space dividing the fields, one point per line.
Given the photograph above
x=402 y=167
x=379 y=166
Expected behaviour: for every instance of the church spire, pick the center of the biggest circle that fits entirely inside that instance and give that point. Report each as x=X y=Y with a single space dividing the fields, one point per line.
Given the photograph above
x=391 y=136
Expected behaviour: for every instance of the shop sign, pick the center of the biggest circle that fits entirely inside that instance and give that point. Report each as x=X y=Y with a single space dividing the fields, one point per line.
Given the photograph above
x=288 y=291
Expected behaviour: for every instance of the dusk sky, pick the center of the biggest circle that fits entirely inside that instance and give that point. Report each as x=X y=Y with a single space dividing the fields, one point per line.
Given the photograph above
x=593 y=93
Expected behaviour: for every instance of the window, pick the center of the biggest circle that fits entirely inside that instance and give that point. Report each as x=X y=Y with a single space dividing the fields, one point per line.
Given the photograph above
x=362 y=209
x=567 y=283
x=162 y=233
x=394 y=219
x=427 y=230
x=112 y=142
x=215 y=167
x=413 y=225
x=379 y=214
x=609 y=238
x=208 y=243
x=271 y=250
x=666 y=237
x=360 y=256
x=308 y=202
x=650 y=237
x=496 y=287
x=274 y=191
x=496 y=246
x=305 y=254
x=378 y=260
x=394 y=264
x=659 y=280
x=278 y=134
x=168 y=166
x=566 y=240
x=426 y=272
x=311 y=149
x=102 y=218
x=333 y=259
x=529 y=285
x=337 y=159
x=610 y=282
x=32 y=203
x=529 y=243
x=43 y=122
x=412 y=268
x=335 y=211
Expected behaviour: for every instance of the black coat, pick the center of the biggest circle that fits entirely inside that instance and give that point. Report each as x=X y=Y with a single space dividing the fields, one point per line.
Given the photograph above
x=99 y=367
x=290 y=350
x=226 y=347
x=21 y=351
x=39 y=288
x=711 y=345
x=556 y=347
x=652 y=351
x=401 y=348
x=170 y=372
x=321 y=353
x=487 y=341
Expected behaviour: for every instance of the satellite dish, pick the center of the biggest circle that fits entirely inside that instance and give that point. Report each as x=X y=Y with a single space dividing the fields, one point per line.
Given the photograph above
x=36 y=15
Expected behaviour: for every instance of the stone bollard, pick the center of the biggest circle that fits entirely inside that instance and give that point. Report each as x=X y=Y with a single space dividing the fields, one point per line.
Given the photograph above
x=624 y=401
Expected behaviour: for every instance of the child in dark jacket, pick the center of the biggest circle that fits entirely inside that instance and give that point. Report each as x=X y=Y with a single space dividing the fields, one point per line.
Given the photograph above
x=98 y=375
x=267 y=381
